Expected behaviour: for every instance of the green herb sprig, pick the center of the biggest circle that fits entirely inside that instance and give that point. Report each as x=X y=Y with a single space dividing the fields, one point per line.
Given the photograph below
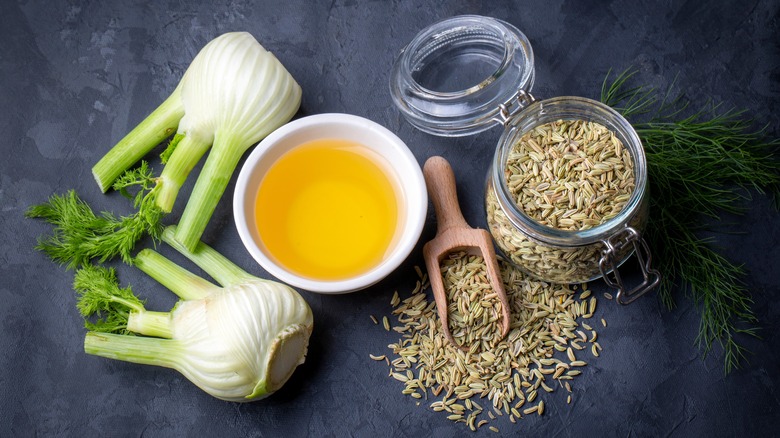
x=101 y=298
x=80 y=235
x=699 y=166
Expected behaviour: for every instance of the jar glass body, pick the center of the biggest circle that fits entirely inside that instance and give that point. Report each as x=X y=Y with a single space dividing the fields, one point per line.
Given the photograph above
x=553 y=254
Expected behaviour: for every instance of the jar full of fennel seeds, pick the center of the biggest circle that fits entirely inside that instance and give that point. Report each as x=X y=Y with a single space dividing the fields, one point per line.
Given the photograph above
x=566 y=192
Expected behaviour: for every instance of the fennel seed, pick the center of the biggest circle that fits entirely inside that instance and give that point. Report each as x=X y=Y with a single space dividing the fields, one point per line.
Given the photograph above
x=505 y=373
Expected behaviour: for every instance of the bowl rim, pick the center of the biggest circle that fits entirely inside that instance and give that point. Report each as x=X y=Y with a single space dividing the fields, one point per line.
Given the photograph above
x=416 y=213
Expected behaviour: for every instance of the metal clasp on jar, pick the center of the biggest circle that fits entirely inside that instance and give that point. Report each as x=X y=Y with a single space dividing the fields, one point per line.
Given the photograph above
x=514 y=105
x=614 y=245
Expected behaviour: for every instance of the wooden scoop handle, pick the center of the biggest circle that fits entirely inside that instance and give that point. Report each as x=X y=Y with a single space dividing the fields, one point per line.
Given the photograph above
x=440 y=181
x=454 y=232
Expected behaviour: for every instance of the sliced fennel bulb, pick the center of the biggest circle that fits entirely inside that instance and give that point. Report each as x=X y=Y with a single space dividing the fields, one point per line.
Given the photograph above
x=238 y=342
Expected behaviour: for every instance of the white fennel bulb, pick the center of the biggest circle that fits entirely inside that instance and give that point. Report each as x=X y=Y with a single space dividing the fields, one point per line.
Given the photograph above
x=239 y=342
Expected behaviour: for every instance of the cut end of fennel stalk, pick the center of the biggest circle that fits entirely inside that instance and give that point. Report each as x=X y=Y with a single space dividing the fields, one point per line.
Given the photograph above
x=103 y=186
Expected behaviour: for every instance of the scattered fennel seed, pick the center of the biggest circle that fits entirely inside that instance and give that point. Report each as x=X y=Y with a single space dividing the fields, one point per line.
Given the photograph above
x=489 y=377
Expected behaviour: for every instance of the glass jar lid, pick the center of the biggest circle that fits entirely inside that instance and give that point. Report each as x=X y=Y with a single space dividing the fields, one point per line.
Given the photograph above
x=456 y=76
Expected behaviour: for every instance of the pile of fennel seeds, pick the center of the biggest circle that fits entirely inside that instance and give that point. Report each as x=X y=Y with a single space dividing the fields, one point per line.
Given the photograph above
x=543 y=351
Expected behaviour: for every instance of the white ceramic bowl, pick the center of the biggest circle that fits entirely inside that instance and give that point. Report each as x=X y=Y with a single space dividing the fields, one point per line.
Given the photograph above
x=413 y=194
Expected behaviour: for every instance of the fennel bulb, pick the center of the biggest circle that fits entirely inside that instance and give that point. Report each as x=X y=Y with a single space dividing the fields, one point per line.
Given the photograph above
x=238 y=342
x=233 y=94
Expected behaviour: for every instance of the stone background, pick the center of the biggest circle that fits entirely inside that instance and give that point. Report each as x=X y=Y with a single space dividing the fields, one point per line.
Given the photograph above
x=75 y=76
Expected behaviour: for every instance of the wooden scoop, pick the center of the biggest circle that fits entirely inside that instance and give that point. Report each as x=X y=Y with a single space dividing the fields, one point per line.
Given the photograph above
x=454 y=234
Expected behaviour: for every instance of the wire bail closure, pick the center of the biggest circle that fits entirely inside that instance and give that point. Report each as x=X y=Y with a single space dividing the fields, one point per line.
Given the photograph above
x=518 y=102
x=614 y=245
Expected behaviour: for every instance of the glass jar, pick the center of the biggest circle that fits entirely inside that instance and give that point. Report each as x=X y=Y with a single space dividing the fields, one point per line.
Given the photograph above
x=557 y=255
x=466 y=74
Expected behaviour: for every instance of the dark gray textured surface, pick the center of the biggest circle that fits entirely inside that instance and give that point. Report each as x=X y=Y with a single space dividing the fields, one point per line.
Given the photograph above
x=76 y=75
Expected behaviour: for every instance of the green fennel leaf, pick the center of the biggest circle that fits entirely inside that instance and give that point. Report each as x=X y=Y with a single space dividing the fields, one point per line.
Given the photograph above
x=145 y=198
x=101 y=299
x=79 y=235
x=699 y=166
x=139 y=177
x=166 y=154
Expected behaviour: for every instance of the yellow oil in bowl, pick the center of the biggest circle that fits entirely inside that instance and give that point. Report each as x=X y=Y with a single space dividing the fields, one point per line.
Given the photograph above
x=328 y=209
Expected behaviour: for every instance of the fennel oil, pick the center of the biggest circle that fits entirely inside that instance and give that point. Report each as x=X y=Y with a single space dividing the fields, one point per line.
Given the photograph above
x=328 y=209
